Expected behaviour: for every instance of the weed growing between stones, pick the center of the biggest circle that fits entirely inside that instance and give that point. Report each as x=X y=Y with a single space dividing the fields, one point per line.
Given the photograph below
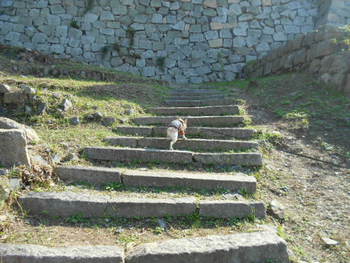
x=130 y=34
x=74 y=24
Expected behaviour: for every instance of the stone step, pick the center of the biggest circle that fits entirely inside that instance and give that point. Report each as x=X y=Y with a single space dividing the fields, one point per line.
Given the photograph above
x=198 y=103
x=15 y=253
x=202 y=132
x=197 y=111
x=257 y=247
x=69 y=203
x=174 y=157
x=194 y=92
x=252 y=247
x=138 y=178
x=217 y=121
x=189 y=144
x=197 y=97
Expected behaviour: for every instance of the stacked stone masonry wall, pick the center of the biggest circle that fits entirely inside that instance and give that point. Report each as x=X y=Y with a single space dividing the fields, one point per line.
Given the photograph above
x=180 y=40
x=325 y=53
x=334 y=12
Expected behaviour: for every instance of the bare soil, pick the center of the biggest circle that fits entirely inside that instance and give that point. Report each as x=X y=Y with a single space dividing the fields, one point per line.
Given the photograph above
x=308 y=169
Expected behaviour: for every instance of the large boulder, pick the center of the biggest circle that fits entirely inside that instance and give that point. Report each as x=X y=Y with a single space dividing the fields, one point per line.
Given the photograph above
x=6 y=123
x=13 y=148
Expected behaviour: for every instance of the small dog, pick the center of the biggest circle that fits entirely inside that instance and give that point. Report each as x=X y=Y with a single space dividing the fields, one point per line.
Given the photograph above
x=175 y=128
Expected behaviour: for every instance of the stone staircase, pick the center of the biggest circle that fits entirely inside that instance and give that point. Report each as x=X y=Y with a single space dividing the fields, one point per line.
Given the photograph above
x=214 y=139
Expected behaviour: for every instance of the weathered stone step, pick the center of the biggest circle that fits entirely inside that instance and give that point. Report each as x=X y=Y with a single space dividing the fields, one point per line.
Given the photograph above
x=203 y=132
x=253 y=247
x=217 y=121
x=175 y=157
x=69 y=203
x=197 y=111
x=15 y=253
x=197 y=103
x=139 y=155
x=197 y=97
x=189 y=144
x=194 y=92
x=137 y=178
x=258 y=247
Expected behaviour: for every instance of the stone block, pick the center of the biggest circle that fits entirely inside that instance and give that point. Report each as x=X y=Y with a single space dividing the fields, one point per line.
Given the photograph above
x=31 y=135
x=135 y=131
x=93 y=175
x=15 y=97
x=5 y=88
x=140 y=155
x=218 y=121
x=242 y=159
x=232 y=209
x=189 y=144
x=11 y=253
x=248 y=248
x=197 y=111
x=66 y=204
x=16 y=141
x=216 y=43
x=199 y=181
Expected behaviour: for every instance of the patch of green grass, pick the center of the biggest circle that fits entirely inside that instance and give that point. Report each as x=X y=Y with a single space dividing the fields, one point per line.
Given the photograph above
x=229 y=85
x=77 y=219
x=74 y=24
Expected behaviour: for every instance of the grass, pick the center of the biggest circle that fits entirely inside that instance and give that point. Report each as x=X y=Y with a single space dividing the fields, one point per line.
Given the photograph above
x=121 y=190
x=125 y=232
x=305 y=105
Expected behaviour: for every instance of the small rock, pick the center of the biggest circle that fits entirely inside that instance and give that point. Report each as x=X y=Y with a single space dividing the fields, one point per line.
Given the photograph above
x=3 y=171
x=42 y=107
x=130 y=111
x=123 y=120
x=27 y=90
x=119 y=230
x=66 y=105
x=233 y=196
x=28 y=109
x=74 y=120
x=70 y=157
x=4 y=88
x=276 y=209
x=97 y=116
x=57 y=158
x=329 y=242
x=56 y=95
x=14 y=184
x=108 y=121
x=162 y=223
x=285 y=188
x=37 y=159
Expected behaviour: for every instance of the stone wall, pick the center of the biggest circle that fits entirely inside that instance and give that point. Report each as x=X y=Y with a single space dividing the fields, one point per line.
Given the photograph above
x=334 y=12
x=325 y=53
x=176 y=40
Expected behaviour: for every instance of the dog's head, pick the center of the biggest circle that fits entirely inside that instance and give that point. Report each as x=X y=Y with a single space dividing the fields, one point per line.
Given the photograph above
x=183 y=126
